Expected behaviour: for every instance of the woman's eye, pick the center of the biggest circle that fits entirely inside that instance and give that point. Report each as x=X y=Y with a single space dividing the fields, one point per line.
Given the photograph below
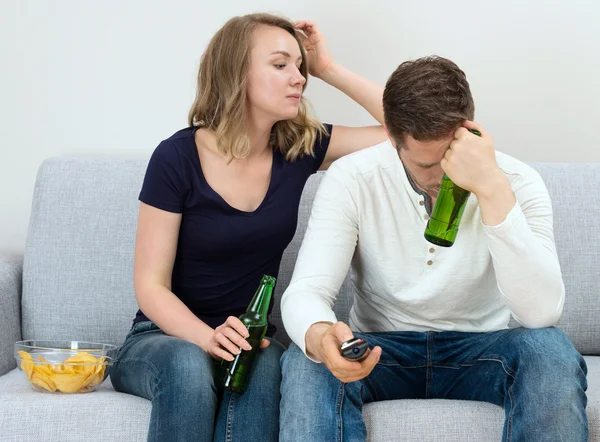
x=279 y=66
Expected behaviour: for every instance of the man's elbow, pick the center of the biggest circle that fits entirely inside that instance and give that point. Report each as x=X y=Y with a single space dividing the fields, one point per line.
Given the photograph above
x=541 y=318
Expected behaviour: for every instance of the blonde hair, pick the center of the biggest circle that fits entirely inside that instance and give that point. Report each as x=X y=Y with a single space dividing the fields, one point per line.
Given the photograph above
x=220 y=104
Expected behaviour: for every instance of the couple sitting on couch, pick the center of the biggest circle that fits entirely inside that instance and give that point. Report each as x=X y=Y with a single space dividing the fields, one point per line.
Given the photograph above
x=219 y=205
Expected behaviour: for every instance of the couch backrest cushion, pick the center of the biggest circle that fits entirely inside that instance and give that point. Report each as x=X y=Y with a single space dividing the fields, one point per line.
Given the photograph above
x=78 y=265
x=78 y=268
x=575 y=193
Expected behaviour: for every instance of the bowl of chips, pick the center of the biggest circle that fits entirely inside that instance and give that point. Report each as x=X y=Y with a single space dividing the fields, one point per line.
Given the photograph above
x=64 y=366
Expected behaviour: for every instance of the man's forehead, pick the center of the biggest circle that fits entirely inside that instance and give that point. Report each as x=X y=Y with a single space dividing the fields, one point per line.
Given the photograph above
x=427 y=144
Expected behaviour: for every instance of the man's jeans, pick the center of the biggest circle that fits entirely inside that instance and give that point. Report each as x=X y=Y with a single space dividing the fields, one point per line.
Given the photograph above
x=535 y=374
x=177 y=376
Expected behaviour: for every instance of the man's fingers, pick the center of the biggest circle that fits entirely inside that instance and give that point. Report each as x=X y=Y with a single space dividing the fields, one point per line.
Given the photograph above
x=342 y=332
x=473 y=125
x=265 y=343
x=366 y=366
x=460 y=132
x=372 y=359
x=333 y=357
x=444 y=165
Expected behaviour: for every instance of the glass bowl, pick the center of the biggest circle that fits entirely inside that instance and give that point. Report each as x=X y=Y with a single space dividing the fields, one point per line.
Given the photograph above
x=64 y=366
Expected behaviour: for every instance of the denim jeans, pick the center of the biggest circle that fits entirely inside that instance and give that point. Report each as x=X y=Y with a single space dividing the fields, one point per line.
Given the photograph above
x=535 y=374
x=178 y=377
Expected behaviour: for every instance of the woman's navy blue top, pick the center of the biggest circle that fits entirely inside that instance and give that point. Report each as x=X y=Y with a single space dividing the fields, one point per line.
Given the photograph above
x=223 y=252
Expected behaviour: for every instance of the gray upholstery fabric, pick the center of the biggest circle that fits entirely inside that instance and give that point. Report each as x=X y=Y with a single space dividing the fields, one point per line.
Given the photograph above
x=576 y=207
x=102 y=415
x=78 y=268
x=11 y=272
x=77 y=284
x=433 y=420
x=593 y=394
x=22 y=410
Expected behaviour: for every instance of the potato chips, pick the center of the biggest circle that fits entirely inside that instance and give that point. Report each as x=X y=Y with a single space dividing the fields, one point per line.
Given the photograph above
x=77 y=374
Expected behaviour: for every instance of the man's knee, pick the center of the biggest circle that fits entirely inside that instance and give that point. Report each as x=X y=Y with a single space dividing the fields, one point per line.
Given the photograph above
x=545 y=351
x=294 y=359
x=299 y=373
x=549 y=342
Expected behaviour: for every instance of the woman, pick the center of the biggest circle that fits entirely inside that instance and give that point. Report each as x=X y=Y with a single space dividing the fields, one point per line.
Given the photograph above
x=219 y=205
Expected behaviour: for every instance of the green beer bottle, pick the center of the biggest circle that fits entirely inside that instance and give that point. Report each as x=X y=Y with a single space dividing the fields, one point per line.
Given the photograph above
x=442 y=226
x=236 y=373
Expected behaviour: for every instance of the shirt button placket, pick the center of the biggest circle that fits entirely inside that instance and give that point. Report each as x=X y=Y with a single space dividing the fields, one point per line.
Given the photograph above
x=431 y=250
x=426 y=217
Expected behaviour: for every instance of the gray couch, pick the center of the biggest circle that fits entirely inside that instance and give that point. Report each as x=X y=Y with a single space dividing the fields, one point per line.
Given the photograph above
x=75 y=282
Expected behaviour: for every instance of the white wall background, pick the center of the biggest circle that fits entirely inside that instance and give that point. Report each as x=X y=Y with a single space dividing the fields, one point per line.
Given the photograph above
x=116 y=77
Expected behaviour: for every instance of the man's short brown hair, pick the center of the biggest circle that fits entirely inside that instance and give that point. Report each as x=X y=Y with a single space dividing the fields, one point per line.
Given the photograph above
x=426 y=98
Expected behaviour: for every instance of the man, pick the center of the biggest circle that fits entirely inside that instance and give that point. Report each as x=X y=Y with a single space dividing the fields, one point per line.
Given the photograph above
x=435 y=318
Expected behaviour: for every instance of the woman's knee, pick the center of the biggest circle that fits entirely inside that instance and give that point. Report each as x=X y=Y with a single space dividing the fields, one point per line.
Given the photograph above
x=184 y=363
x=164 y=364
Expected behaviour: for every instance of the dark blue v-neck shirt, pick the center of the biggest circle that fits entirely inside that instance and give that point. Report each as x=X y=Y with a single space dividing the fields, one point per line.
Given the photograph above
x=223 y=252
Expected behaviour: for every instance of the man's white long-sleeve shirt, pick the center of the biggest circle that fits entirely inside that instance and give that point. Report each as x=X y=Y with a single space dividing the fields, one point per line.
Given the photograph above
x=367 y=213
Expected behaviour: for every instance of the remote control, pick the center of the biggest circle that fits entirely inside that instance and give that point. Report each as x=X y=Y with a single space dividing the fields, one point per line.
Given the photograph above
x=355 y=349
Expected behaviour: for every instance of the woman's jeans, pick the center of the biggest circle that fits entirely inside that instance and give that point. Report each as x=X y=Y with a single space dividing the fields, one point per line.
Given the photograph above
x=535 y=374
x=178 y=377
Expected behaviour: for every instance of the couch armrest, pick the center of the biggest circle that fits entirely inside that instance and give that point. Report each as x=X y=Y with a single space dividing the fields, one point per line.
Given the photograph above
x=11 y=273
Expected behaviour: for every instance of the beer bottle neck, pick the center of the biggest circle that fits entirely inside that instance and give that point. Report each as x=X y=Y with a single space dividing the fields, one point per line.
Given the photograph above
x=260 y=302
